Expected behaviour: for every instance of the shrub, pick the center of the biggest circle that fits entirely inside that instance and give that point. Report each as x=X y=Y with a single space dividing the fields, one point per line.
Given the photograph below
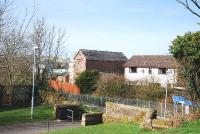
x=118 y=87
x=50 y=97
x=87 y=81
x=150 y=91
x=115 y=87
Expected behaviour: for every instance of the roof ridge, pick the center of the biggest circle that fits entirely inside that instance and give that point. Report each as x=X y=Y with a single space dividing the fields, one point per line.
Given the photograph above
x=152 y=55
x=100 y=51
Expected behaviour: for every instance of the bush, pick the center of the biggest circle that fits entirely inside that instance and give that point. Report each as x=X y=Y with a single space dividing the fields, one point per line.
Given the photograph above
x=115 y=87
x=87 y=81
x=150 y=91
x=50 y=97
x=118 y=87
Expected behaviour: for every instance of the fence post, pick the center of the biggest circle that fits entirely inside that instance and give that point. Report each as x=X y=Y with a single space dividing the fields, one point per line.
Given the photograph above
x=101 y=101
x=161 y=109
x=137 y=102
x=174 y=109
x=149 y=104
x=48 y=125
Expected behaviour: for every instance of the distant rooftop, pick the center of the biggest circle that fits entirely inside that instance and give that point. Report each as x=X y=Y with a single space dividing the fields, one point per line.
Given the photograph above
x=152 y=61
x=103 y=55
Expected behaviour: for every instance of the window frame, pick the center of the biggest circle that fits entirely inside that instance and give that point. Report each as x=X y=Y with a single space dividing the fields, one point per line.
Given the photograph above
x=132 y=69
x=162 y=71
x=150 y=71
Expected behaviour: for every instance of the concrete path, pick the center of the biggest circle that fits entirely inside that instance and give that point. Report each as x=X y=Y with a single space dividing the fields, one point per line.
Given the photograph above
x=36 y=127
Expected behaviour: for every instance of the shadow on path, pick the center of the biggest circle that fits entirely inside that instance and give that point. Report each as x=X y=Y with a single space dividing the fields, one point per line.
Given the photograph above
x=36 y=127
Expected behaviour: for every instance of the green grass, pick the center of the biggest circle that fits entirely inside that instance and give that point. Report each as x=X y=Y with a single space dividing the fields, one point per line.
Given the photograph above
x=114 y=128
x=90 y=109
x=20 y=115
x=186 y=128
x=128 y=128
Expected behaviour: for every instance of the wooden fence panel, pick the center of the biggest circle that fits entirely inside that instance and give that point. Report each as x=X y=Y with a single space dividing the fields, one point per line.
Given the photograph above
x=67 y=87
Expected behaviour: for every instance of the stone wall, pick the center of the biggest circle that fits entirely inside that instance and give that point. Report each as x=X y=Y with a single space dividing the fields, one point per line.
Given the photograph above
x=125 y=113
x=91 y=119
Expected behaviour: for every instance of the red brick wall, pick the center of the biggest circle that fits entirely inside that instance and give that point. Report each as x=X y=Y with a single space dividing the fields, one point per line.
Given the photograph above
x=105 y=66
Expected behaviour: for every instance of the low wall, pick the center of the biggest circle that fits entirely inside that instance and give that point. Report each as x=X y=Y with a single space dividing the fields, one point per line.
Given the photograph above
x=125 y=113
x=91 y=119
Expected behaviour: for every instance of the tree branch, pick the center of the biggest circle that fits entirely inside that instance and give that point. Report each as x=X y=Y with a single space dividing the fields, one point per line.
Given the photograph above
x=186 y=5
x=195 y=2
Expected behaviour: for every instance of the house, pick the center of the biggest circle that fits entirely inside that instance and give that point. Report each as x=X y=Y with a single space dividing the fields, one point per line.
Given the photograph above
x=103 y=61
x=160 y=69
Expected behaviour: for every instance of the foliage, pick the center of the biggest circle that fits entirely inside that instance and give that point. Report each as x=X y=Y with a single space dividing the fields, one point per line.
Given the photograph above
x=17 y=38
x=186 y=128
x=179 y=119
x=90 y=109
x=19 y=115
x=186 y=50
x=150 y=91
x=87 y=81
x=50 y=97
x=118 y=87
x=115 y=87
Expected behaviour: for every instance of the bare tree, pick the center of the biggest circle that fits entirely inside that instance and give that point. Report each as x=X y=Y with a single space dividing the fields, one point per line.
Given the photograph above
x=49 y=41
x=192 y=5
x=17 y=41
x=15 y=64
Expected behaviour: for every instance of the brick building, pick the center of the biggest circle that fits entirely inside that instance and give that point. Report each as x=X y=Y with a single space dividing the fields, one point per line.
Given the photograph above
x=103 y=61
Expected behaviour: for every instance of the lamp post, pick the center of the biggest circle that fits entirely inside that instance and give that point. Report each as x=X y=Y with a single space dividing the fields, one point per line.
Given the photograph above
x=33 y=88
x=166 y=98
x=167 y=82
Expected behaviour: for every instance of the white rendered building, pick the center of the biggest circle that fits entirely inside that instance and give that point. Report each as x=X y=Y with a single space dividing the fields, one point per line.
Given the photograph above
x=160 y=69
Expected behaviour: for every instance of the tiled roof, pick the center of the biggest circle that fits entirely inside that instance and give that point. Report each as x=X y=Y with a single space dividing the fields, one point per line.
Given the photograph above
x=152 y=61
x=103 y=55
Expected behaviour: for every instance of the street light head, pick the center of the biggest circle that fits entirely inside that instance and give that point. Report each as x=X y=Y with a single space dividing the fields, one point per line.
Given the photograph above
x=35 y=47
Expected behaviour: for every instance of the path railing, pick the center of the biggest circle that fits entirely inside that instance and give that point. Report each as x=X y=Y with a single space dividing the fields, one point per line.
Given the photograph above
x=100 y=102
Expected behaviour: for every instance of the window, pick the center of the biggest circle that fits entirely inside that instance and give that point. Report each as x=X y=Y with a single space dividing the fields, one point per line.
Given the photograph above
x=150 y=70
x=133 y=70
x=162 y=71
x=143 y=71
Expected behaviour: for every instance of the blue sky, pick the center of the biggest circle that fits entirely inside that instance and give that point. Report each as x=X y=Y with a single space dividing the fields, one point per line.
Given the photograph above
x=130 y=26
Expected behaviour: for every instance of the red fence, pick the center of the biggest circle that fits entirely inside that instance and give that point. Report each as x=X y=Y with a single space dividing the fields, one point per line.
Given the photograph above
x=67 y=87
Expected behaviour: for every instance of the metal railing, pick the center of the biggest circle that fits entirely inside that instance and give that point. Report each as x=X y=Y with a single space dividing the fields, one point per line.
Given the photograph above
x=72 y=115
x=101 y=100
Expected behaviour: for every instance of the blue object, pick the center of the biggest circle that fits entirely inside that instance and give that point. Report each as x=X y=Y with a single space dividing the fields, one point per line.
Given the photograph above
x=188 y=103
x=180 y=99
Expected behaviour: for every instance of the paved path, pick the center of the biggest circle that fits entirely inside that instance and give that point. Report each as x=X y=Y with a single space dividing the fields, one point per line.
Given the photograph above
x=36 y=127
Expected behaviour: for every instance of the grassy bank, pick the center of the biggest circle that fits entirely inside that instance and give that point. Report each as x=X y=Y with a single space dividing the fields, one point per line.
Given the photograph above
x=128 y=128
x=20 y=115
x=113 y=128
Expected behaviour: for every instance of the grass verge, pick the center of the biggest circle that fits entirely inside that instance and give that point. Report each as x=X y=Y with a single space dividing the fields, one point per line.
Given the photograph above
x=21 y=115
x=128 y=128
x=114 y=128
